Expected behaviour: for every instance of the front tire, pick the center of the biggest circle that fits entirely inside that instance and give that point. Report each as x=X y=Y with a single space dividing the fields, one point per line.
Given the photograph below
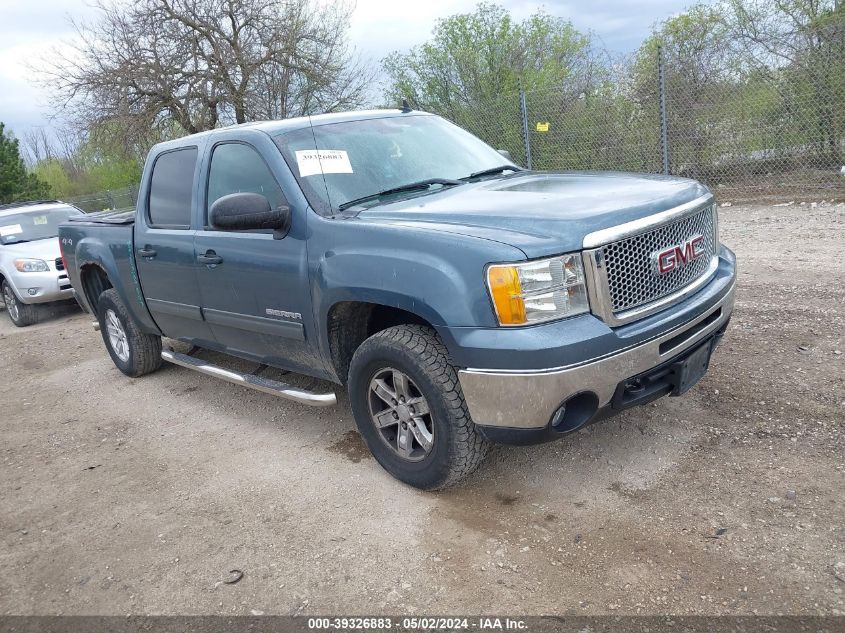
x=410 y=410
x=132 y=351
x=21 y=314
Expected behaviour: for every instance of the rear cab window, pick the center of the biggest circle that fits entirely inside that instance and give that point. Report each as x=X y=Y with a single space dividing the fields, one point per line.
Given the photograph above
x=171 y=189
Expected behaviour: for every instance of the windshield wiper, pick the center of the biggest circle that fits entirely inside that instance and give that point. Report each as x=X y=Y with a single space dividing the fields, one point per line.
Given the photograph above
x=412 y=186
x=492 y=171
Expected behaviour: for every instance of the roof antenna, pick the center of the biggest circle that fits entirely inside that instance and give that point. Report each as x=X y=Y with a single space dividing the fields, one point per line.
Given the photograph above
x=405 y=107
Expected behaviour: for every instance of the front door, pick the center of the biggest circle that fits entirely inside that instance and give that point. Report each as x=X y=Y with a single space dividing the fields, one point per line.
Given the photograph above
x=254 y=288
x=164 y=247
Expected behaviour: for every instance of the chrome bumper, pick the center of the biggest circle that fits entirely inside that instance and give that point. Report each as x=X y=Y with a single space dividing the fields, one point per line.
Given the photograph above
x=528 y=399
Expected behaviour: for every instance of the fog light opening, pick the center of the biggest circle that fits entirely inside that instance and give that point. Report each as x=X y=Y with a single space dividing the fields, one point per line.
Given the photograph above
x=32 y=291
x=574 y=412
x=635 y=384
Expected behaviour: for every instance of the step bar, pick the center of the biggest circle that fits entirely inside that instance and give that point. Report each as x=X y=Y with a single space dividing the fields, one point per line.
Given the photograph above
x=252 y=381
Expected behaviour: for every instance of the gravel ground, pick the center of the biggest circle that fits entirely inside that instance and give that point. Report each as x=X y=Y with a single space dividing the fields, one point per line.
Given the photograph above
x=138 y=496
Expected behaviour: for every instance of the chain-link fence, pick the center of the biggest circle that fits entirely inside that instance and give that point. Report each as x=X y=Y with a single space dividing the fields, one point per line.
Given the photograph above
x=124 y=198
x=749 y=135
x=748 y=138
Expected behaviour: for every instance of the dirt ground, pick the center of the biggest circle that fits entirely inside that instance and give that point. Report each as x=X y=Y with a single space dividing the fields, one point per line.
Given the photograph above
x=139 y=496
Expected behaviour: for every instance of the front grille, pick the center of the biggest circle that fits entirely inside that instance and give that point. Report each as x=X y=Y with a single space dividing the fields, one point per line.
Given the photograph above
x=631 y=276
x=60 y=265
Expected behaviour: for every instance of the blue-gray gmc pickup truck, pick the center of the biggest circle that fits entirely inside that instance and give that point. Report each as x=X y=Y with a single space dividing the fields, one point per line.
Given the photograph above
x=461 y=299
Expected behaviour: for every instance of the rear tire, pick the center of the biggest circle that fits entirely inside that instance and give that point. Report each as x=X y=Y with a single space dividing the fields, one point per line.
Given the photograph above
x=132 y=351
x=21 y=314
x=441 y=444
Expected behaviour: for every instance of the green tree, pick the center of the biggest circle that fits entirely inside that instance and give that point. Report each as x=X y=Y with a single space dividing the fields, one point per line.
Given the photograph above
x=16 y=183
x=75 y=164
x=53 y=172
x=484 y=54
x=702 y=79
x=473 y=66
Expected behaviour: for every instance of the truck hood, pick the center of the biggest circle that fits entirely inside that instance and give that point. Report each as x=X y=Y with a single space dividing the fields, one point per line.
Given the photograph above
x=47 y=249
x=540 y=213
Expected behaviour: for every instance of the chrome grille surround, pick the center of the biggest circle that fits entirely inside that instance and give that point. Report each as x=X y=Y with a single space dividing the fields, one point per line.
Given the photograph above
x=623 y=285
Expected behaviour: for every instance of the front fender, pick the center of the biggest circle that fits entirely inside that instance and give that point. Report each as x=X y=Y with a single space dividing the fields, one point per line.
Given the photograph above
x=434 y=275
x=424 y=285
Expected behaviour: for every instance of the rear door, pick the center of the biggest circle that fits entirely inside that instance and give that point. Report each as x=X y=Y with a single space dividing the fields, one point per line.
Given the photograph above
x=164 y=246
x=256 y=299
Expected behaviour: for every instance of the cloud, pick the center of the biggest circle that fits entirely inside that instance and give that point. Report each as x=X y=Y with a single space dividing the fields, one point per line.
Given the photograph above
x=28 y=31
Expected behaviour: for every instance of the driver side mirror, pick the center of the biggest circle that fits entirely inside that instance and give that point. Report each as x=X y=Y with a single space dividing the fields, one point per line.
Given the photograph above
x=506 y=154
x=249 y=211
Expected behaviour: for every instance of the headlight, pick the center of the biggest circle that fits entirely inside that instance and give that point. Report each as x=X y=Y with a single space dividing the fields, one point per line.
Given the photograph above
x=543 y=290
x=31 y=265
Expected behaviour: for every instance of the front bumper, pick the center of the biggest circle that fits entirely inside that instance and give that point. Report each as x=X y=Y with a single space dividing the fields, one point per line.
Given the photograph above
x=43 y=287
x=526 y=400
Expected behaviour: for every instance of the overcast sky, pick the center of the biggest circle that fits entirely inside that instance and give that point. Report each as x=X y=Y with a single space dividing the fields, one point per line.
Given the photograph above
x=28 y=28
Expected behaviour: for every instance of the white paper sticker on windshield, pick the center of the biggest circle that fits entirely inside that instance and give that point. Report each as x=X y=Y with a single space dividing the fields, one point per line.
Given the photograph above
x=323 y=161
x=10 y=229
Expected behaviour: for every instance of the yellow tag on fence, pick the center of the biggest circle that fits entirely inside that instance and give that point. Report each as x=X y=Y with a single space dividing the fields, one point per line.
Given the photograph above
x=542 y=126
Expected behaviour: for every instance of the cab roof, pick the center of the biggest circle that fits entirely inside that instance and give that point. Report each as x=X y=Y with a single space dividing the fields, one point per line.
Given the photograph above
x=274 y=128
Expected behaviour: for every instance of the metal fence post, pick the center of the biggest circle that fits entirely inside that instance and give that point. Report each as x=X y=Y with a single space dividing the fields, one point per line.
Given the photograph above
x=664 y=131
x=526 y=139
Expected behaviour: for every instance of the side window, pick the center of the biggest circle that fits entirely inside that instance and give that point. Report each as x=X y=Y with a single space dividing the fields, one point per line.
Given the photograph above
x=171 y=188
x=238 y=168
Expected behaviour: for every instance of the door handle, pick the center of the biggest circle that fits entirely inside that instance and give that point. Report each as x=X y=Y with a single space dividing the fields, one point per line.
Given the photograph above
x=147 y=252
x=210 y=258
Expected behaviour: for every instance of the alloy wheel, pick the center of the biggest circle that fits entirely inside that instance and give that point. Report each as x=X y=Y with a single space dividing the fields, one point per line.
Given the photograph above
x=401 y=414
x=117 y=336
x=11 y=303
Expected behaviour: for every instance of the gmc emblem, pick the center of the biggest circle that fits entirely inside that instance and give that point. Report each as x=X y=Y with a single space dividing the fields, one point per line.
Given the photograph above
x=678 y=256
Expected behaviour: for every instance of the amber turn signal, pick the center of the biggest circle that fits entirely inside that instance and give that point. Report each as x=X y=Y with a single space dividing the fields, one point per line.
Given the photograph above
x=506 y=291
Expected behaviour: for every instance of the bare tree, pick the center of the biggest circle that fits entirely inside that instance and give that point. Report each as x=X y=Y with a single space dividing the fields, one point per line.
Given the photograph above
x=173 y=66
x=38 y=146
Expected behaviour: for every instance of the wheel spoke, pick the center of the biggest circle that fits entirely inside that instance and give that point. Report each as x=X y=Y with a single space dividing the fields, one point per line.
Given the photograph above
x=404 y=441
x=400 y=384
x=385 y=419
x=384 y=392
x=421 y=432
x=420 y=406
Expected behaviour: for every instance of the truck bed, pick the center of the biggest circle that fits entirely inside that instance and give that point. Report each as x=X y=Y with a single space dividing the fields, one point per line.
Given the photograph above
x=105 y=241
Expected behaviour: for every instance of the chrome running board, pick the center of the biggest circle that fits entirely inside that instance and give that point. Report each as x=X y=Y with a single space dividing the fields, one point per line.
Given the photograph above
x=252 y=381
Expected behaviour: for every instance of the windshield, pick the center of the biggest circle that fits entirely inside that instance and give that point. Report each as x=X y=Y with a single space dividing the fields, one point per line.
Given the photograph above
x=356 y=159
x=28 y=226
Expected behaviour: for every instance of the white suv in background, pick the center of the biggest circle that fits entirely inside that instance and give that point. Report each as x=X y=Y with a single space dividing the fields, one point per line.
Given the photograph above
x=31 y=270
